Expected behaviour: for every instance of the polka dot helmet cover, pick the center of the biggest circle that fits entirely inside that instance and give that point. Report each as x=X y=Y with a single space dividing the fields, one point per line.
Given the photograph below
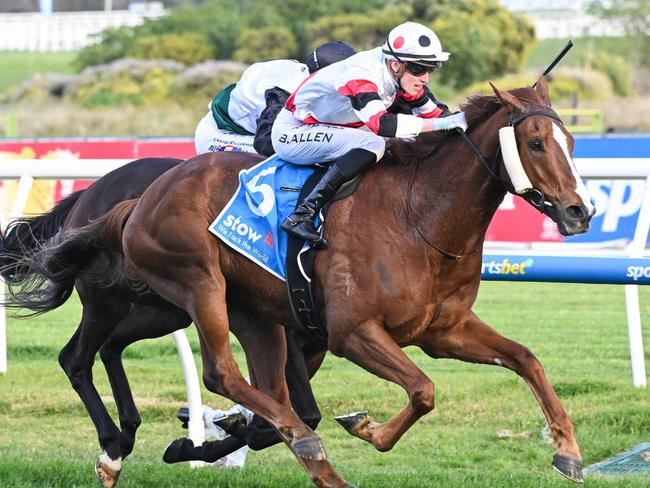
x=411 y=41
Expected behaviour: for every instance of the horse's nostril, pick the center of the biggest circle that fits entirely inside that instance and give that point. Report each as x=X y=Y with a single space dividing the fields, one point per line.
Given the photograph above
x=577 y=212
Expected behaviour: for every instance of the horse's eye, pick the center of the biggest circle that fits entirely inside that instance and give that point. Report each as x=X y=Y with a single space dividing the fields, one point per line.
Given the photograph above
x=536 y=145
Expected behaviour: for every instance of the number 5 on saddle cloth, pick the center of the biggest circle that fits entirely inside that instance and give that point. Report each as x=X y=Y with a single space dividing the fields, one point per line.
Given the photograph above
x=250 y=224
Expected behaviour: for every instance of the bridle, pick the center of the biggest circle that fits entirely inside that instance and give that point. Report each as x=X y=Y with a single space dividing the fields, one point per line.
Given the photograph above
x=533 y=196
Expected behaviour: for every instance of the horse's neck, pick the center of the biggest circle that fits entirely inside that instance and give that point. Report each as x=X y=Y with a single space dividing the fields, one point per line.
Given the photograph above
x=454 y=198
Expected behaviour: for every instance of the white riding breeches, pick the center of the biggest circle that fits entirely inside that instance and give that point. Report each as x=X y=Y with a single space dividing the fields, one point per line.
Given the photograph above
x=210 y=138
x=301 y=143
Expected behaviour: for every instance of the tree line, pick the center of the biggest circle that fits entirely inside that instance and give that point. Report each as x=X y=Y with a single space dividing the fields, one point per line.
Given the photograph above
x=485 y=39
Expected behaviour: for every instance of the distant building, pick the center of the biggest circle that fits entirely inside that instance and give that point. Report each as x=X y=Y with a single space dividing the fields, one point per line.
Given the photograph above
x=564 y=18
x=67 y=31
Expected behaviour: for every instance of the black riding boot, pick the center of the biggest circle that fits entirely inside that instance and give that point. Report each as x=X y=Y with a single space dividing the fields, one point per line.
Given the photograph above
x=301 y=222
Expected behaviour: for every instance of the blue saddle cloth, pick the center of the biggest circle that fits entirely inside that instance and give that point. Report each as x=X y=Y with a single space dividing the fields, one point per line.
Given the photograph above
x=250 y=222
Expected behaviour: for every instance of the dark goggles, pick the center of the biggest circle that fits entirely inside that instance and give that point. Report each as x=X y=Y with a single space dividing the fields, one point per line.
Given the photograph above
x=417 y=69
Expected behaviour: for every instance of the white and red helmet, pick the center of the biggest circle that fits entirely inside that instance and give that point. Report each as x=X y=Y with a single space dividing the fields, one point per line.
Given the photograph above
x=414 y=42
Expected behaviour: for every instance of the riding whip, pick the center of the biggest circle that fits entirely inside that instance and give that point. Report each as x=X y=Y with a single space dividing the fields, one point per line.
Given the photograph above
x=557 y=59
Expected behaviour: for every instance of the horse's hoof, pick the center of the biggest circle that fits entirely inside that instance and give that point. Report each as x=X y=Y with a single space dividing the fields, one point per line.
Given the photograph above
x=230 y=423
x=107 y=476
x=176 y=450
x=568 y=467
x=309 y=448
x=352 y=420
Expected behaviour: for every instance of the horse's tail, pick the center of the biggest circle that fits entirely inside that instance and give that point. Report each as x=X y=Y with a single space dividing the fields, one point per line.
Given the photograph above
x=91 y=250
x=25 y=236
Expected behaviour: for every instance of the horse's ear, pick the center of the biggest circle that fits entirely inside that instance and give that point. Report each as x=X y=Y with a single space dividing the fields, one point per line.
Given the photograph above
x=541 y=88
x=507 y=99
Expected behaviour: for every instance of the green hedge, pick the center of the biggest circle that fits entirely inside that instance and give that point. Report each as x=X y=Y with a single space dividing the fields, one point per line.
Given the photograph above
x=127 y=81
x=266 y=43
x=197 y=85
x=188 y=48
x=617 y=70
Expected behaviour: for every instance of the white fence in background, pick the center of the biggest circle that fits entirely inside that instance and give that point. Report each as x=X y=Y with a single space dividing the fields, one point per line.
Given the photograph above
x=564 y=24
x=561 y=19
x=64 y=31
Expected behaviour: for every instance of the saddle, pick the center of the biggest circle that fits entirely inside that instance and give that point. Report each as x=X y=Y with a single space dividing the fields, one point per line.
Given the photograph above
x=249 y=223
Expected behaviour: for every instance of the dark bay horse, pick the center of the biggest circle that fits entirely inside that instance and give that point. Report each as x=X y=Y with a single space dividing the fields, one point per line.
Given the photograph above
x=115 y=315
x=403 y=268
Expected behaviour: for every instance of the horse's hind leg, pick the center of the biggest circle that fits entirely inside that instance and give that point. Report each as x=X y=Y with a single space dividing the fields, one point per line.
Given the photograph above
x=100 y=316
x=142 y=322
x=304 y=357
x=370 y=346
x=474 y=341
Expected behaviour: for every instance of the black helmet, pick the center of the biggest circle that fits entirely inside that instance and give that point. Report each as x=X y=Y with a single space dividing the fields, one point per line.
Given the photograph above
x=328 y=53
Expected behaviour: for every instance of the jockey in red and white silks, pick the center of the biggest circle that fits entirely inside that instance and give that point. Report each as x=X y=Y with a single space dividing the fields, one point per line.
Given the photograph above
x=344 y=112
x=240 y=117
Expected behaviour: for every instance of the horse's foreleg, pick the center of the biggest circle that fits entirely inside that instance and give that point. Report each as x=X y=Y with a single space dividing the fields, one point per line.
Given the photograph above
x=222 y=375
x=259 y=434
x=373 y=349
x=474 y=341
x=142 y=322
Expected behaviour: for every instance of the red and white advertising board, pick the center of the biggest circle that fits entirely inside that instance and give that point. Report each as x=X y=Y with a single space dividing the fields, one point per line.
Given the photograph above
x=45 y=193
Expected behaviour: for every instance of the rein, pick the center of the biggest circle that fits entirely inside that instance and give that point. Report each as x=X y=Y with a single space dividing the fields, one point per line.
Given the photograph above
x=534 y=196
x=480 y=157
x=416 y=224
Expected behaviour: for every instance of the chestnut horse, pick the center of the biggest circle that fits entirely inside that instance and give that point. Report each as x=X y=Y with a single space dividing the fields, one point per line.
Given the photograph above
x=116 y=315
x=403 y=268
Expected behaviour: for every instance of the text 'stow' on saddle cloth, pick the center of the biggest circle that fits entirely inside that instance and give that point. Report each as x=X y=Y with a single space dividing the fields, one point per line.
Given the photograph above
x=250 y=222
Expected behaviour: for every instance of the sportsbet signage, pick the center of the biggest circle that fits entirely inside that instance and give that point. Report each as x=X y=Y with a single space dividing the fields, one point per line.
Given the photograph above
x=506 y=266
x=568 y=269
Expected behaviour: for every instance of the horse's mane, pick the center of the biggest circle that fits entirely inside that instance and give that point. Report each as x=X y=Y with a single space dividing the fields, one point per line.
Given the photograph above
x=477 y=108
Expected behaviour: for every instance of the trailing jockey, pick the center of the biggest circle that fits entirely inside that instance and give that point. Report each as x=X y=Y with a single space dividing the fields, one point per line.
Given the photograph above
x=241 y=116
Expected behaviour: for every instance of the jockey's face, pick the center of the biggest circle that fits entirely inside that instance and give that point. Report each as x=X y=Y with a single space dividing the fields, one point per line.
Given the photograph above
x=412 y=84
